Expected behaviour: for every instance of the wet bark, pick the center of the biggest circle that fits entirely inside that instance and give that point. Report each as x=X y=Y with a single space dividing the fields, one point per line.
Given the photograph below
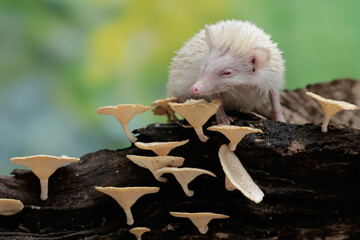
x=311 y=182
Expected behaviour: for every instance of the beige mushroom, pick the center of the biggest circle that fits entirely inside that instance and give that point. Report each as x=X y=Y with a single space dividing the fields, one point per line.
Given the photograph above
x=161 y=148
x=237 y=176
x=184 y=176
x=156 y=163
x=162 y=108
x=197 y=113
x=234 y=133
x=10 y=206
x=43 y=166
x=124 y=113
x=330 y=107
x=201 y=219
x=139 y=231
x=127 y=196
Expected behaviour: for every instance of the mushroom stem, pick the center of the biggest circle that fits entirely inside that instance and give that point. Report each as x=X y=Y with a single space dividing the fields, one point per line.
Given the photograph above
x=228 y=185
x=128 y=133
x=232 y=146
x=44 y=189
x=129 y=217
x=203 y=230
x=201 y=135
x=325 y=124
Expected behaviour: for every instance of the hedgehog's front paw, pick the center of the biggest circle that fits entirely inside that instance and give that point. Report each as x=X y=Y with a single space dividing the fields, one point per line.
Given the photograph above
x=222 y=118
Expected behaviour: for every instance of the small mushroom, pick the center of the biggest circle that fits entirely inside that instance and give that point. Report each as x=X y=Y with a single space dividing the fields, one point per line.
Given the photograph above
x=184 y=176
x=237 y=176
x=124 y=113
x=197 y=113
x=201 y=219
x=139 y=231
x=162 y=108
x=330 y=107
x=234 y=133
x=156 y=163
x=161 y=148
x=127 y=196
x=10 y=206
x=43 y=166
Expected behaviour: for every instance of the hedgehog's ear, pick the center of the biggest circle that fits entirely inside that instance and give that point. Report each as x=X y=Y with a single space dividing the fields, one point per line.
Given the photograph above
x=259 y=57
x=209 y=36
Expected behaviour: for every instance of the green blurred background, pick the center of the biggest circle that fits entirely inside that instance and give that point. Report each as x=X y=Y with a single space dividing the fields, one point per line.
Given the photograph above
x=61 y=60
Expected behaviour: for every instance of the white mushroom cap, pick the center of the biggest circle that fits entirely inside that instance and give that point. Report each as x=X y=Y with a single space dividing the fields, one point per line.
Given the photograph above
x=161 y=148
x=139 y=231
x=10 y=206
x=201 y=219
x=197 y=113
x=43 y=166
x=234 y=133
x=238 y=176
x=127 y=196
x=184 y=176
x=156 y=163
x=330 y=107
x=162 y=107
x=124 y=113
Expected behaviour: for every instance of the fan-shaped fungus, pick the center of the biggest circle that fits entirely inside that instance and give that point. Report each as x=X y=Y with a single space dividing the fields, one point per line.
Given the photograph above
x=234 y=133
x=124 y=113
x=10 y=206
x=127 y=196
x=162 y=108
x=155 y=163
x=161 y=148
x=197 y=112
x=139 y=231
x=43 y=166
x=238 y=176
x=201 y=219
x=330 y=107
x=184 y=176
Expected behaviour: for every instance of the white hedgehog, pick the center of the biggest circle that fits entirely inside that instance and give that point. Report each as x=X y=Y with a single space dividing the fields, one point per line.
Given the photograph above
x=232 y=60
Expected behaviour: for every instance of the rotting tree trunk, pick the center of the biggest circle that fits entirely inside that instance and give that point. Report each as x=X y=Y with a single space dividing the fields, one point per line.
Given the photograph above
x=311 y=182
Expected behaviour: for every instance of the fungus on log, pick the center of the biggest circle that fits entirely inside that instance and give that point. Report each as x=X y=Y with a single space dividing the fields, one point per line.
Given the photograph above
x=311 y=183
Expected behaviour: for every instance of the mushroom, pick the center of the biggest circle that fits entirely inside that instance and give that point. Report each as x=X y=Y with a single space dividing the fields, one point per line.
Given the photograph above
x=161 y=148
x=330 y=107
x=10 y=206
x=155 y=163
x=139 y=231
x=234 y=133
x=184 y=176
x=43 y=166
x=197 y=112
x=124 y=113
x=201 y=219
x=162 y=108
x=127 y=196
x=237 y=176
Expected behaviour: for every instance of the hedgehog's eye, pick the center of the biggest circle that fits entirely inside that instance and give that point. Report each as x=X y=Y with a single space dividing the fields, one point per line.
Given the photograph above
x=226 y=72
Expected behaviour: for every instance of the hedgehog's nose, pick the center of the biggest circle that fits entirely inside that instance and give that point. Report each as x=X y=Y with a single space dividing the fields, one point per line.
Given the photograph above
x=194 y=89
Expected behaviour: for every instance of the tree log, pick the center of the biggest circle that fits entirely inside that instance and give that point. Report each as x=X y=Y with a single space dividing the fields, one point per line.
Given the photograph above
x=311 y=182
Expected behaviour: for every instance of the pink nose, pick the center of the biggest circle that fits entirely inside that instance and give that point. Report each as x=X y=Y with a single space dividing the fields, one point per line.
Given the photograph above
x=194 y=89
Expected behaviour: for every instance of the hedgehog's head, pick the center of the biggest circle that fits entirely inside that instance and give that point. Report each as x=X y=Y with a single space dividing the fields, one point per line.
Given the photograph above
x=227 y=66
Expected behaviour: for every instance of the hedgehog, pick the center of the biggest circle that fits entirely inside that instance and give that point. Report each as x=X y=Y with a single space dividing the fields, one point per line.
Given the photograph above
x=232 y=60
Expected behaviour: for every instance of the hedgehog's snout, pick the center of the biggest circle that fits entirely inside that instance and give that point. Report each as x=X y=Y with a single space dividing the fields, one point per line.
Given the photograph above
x=194 y=89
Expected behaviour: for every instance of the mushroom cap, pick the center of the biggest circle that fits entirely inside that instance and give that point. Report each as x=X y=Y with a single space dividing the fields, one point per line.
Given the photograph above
x=43 y=165
x=238 y=176
x=155 y=163
x=123 y=112
x=161 y=148
x=127 y=196
x=200 y=219
x=331 y=107
x=10 y=206
x=138 y=231
x=164 y=102
x=234 y=133
x=196 y=112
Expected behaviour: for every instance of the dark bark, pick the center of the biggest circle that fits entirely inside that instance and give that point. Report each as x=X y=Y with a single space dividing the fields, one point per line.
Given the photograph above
x=311 y=182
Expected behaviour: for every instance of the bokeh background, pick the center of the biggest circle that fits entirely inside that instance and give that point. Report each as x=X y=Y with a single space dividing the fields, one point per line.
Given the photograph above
x=62 y=59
